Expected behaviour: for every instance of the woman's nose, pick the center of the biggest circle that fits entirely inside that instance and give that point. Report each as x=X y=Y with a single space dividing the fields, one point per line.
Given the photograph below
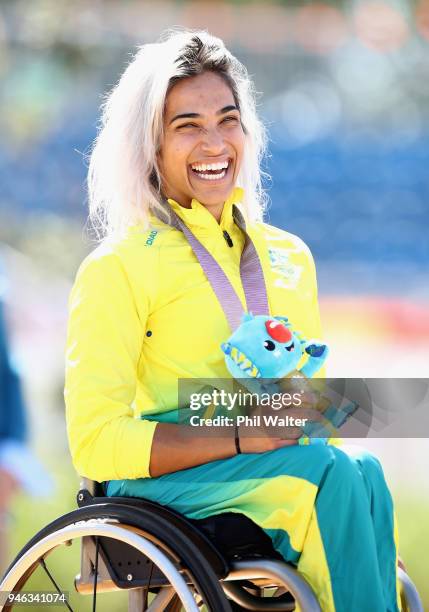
x=213 y=142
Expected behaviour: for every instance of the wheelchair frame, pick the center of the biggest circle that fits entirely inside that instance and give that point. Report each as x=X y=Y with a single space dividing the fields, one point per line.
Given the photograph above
x=131 y=526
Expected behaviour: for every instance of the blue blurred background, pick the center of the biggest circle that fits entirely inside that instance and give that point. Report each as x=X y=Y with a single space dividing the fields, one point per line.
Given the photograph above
x=344 y=91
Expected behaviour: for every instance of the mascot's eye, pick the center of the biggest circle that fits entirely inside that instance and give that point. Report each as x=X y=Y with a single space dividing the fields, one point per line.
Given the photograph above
x=270 y=346
x=291 y=347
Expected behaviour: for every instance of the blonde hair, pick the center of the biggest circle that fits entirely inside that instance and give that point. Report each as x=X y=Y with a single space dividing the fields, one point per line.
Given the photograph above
x=123 y=177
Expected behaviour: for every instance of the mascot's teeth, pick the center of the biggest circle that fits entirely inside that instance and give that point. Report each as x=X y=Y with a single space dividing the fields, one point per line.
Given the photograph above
x=253 y=372
x=235 y=354
x=244 y=363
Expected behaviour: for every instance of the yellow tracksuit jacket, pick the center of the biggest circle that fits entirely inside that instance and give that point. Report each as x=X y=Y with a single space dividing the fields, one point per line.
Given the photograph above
x=142 y=315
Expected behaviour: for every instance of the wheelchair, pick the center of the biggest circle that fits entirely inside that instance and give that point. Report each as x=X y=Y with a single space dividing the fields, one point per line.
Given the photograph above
x=161 y=561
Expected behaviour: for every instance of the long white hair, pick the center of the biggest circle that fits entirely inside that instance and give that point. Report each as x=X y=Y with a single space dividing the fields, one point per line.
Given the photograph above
x=123 y=179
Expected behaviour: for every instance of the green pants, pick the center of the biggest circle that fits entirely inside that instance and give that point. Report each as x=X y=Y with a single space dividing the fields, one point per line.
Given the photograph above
x=328 y=512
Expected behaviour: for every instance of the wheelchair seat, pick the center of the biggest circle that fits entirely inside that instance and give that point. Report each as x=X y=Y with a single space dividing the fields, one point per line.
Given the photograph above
x=235 y=536
x=231 y=534
x=222 y=538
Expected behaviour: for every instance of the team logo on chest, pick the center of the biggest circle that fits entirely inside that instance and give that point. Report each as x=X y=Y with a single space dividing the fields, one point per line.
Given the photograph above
x=287 y=274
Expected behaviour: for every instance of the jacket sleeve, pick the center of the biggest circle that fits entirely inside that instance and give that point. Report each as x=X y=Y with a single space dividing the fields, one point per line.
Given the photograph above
x=104 y=341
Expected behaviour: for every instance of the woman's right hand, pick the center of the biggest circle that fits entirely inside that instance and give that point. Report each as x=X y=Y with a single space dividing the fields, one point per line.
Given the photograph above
x=259 y=435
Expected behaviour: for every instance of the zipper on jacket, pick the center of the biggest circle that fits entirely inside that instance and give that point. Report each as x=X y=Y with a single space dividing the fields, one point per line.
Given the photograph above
x=228 y=238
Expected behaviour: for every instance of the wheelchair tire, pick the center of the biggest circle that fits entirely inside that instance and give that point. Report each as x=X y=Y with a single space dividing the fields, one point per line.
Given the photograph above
x=152 y=534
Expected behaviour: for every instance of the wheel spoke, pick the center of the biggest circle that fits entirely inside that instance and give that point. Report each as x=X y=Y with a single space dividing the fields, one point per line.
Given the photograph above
x=51 y=578
x=146 y=595
x=94 y=597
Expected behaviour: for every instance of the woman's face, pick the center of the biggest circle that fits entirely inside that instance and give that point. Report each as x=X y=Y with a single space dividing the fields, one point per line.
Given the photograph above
x=202 y=127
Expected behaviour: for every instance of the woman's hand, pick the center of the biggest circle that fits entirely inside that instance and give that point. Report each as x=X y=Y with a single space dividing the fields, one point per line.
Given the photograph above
x=268 y=429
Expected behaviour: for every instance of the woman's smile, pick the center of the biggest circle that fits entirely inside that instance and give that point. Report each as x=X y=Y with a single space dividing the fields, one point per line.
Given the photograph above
x=215 y=172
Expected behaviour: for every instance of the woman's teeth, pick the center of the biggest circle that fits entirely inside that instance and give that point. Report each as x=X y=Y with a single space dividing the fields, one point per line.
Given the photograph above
x=217 y=171
x=211 y=177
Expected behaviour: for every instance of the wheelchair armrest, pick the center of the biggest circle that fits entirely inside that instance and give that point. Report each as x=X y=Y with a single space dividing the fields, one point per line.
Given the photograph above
x=94 y=488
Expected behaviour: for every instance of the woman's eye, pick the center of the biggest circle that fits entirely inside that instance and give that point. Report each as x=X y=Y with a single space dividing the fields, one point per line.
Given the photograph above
x=270 y=346
x=229 y=119
x=188 y=125
x=291 y=347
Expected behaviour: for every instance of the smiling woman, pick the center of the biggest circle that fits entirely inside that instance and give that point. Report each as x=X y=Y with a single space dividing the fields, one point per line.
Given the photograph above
x=190 y=97
x=202 y=146
x=175 y=189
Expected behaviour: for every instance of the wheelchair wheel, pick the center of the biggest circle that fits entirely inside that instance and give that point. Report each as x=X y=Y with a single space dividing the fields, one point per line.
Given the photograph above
x=146 y=563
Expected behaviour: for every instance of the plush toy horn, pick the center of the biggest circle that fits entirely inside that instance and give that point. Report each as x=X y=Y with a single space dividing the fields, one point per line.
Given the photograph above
x=278 y=331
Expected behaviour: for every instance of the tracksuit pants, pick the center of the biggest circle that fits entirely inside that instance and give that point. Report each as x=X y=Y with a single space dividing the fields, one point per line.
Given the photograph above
x=327 y=510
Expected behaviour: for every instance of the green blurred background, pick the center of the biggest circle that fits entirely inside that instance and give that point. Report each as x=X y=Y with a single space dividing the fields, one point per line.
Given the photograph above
x=345 y=94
